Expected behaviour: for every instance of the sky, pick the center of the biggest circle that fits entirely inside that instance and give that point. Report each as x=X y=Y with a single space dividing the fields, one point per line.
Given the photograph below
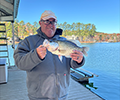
x=104 y=14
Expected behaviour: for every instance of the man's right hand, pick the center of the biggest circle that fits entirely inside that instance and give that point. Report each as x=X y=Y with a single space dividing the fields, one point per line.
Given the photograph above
x=41 y=51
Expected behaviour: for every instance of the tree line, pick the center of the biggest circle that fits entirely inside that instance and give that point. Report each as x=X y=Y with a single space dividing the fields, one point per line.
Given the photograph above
x=85 y=32
x=78 y=29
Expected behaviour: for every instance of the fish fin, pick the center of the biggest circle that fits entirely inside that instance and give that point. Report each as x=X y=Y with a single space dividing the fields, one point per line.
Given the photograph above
x=84 y=50
x=60 y=57
x=75 y=41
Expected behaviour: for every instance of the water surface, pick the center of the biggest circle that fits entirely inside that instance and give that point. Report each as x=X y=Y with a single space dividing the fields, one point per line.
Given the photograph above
x=104 y=60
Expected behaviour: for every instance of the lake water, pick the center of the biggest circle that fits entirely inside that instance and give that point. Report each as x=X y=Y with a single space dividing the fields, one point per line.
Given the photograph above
x=104 y=60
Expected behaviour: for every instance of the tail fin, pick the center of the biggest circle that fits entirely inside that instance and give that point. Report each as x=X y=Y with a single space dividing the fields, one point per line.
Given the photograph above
x=84 y=50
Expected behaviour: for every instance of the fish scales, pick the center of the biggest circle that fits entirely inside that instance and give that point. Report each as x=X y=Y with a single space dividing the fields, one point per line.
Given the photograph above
x=63 y=47
x=66 y=47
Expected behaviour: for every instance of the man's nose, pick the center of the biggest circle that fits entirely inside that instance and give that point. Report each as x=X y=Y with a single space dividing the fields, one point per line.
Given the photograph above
x=50 y=24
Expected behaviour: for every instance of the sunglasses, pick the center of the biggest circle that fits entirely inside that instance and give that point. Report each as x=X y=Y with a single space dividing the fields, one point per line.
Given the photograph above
x=47 y=22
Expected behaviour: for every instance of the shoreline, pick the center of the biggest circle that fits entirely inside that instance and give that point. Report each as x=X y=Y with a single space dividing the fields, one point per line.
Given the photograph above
x=2 y=42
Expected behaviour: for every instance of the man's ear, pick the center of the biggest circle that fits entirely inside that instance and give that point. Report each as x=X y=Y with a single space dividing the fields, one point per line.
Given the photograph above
x=40 y=22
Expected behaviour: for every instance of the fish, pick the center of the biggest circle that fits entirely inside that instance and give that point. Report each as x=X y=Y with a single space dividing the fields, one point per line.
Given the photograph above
x=64 y=47
x=75 y=41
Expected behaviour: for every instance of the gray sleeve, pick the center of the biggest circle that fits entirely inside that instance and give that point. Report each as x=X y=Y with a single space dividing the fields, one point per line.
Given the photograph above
x=26 y=59
x=74 y=64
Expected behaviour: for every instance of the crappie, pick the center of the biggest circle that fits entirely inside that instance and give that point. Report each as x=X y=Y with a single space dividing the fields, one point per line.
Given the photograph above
x=63 y=47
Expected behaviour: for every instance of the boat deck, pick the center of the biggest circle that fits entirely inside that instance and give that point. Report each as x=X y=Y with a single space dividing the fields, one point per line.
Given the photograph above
x=16 y=89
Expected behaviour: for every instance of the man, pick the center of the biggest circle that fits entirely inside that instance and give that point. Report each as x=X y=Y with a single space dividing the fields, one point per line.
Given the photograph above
x=47 y=77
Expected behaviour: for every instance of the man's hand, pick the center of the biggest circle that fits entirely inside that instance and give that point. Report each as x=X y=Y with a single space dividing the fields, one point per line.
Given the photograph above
x=77 y=56
x=41 y=51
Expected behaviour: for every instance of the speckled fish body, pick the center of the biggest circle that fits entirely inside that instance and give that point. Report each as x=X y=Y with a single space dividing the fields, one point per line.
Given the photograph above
x=65 y=47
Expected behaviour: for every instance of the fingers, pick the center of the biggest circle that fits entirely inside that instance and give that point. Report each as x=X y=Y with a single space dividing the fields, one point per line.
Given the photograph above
x=77 y=56
x=41 y=50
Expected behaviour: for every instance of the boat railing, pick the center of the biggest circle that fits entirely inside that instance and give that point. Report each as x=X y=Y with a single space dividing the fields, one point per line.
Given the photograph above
x=81 y=75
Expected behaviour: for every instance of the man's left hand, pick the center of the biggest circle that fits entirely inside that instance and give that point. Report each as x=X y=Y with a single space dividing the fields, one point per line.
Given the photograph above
x=77 y=56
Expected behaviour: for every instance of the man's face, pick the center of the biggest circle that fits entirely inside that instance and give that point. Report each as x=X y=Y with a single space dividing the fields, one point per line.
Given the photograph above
x=48 y=29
